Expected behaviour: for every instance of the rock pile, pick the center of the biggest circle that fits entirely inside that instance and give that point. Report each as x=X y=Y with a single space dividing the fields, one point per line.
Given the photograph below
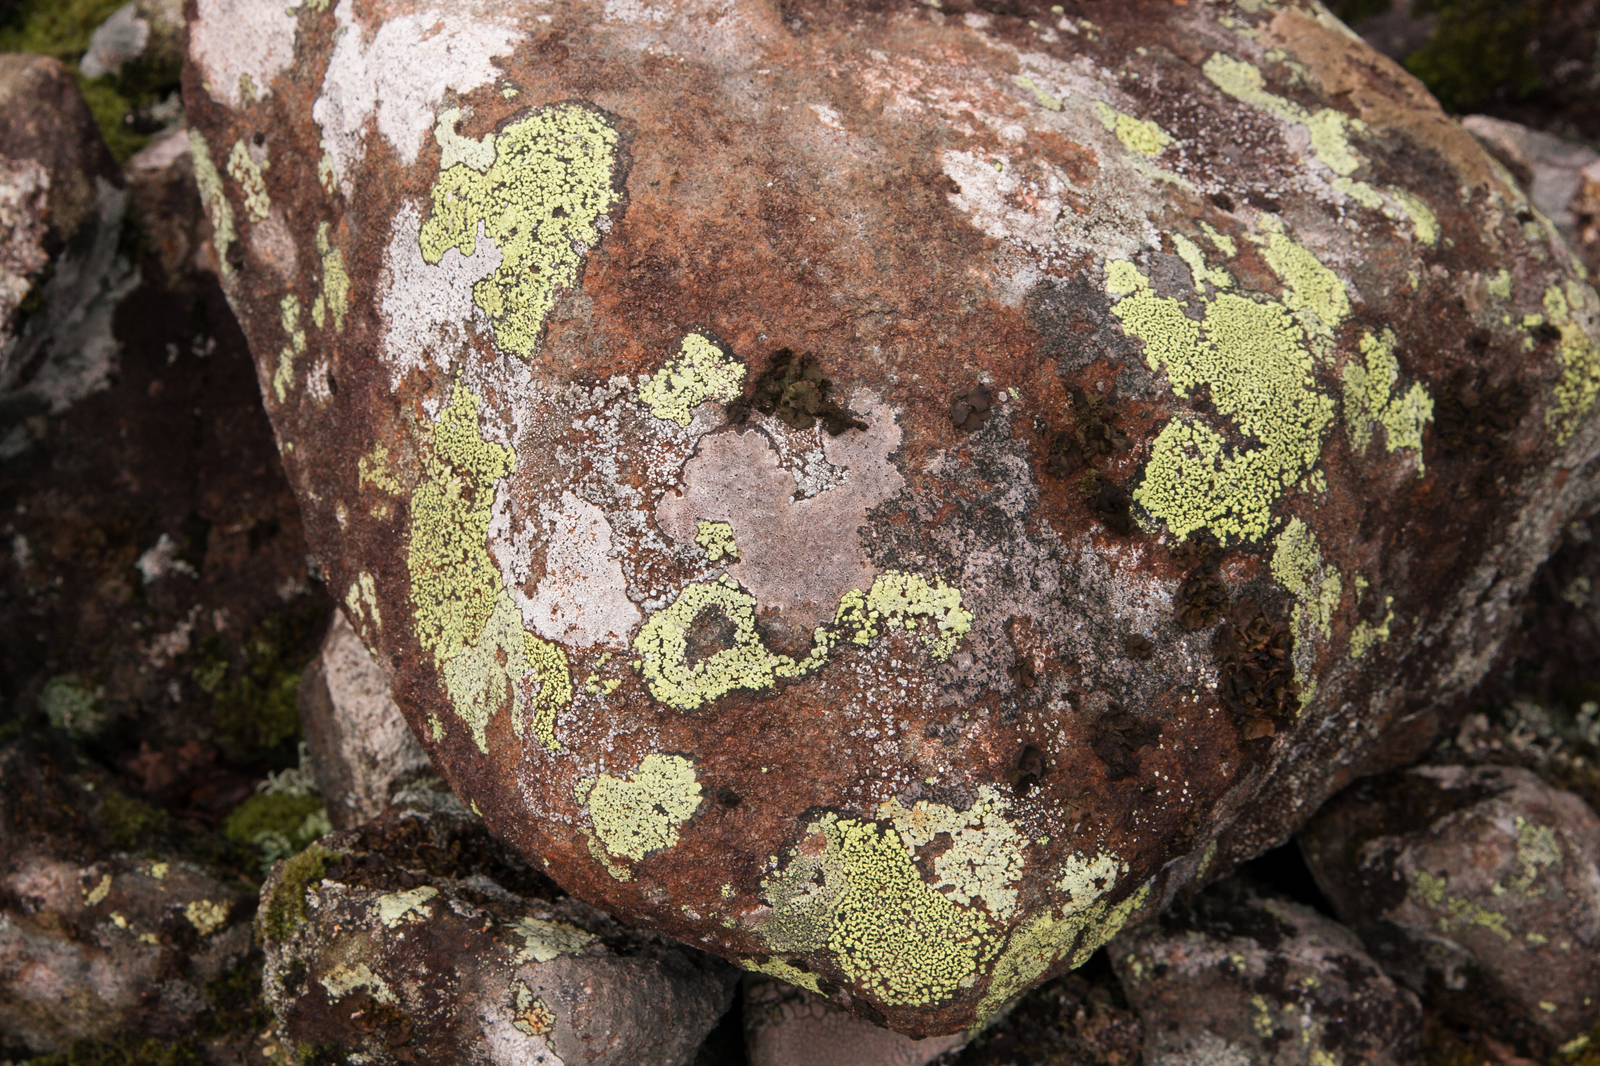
x=894 y=494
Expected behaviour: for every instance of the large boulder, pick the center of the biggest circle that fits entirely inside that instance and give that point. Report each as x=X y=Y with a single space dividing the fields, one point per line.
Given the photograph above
x=892 y=492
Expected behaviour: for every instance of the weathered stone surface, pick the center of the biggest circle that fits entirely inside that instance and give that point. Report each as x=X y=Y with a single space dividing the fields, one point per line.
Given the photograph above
x=1235 y=978
x=361 y=749
x=1479 y=887
x=1551 y=170
x=96 y=943
x=888 y=493
x=788 y=1026
x=419 y=938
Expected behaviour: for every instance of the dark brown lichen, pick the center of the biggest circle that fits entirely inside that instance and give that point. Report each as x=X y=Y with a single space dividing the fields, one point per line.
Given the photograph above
x=1255 y=669
x=1092 y=436
x=1118 y=737
x=971 y=409
x=794 y=389
x=1202 y=595
x=1107 y=501
x=1138 y=646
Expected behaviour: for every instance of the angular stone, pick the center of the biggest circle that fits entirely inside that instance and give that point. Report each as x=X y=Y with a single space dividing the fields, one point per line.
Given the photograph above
x=417 y=938
x=753 y=440
x=361 y=749
x=1478 y=887
x=1237 y=977
x=788 y=1026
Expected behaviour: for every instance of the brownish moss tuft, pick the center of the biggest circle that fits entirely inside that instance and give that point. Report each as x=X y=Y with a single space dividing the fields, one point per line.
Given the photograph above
x=1256 y=669
x=793 y=388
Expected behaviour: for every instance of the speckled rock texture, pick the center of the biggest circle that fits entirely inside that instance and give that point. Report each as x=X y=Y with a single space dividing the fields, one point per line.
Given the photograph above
x=419 y=938
x=889 y=493
x=1478 y=887
x=96 y=942
x=1236 y=978
x=361 y=749
x=788 y=1026
x=1552 y=171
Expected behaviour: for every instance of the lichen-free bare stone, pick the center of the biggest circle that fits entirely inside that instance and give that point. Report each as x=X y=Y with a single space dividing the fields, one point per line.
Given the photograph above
x=891 y=493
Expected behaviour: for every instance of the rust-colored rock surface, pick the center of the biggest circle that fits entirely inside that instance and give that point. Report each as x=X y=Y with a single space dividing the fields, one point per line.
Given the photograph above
x=891 y=492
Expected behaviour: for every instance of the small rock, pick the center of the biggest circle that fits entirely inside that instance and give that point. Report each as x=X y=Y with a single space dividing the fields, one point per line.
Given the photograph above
x=94 y=943
x=361 y=748
x=1478 y=887
x=417 y=937
x=788 y=1026
x=1551 y=169
x=1235 y=977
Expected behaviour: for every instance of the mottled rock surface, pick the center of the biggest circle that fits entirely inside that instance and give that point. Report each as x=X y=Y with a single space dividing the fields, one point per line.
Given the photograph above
x=361 y=749
x=891 y=493
x=1554 y=171
x=1236 y=977
x=96 y=942
x=788 y=1026
x=1478 y=887
x=419 y=938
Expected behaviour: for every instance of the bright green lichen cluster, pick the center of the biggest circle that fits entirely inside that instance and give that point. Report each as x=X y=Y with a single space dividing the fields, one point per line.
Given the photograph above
x=1429 y=891
x=895 y=599
x=1254 y=359
x=984 y=861
x=702 y=371
x=214 y=199
x=1370 y=396
x=906 y=600
x=1308 y=286
x=1316 y=587
x=245 y=171
x=637 y=815
x=289 y=315
x=1365 y=634
x=1136 y=135
x=335 y=295
x=717 y=539
x=1046 y=100
x=464 y=616
x=1578 y=355
x=541 y=203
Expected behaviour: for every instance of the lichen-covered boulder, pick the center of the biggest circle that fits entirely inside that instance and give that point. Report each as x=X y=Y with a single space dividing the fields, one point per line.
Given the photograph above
x=891 y=492
x=1236 y=977
x=419 y=938
x=1479 y=887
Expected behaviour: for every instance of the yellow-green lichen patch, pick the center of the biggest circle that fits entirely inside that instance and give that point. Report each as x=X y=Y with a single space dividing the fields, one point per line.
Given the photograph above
x=455 y=149
x=214 y=199
x=1536 y=846
x=1423 y=220
x=283 y=377
x=640 y=814
x=409 y=906
x=464 y=616
x=1365 y=634
x=702 y=371
x=1195 y=259
x=1431 y=892
x=1082 y=927
x=1371 y=398
x=1329 y=129
x=362 y=599
x=207 y=916
x=97 y=895
x=907 y=601
x=533 y=1015
x=1499 y=285
x=1308 y=286
x=373 y=468
x=984 y=860
x=1578 y=355
x=334 y=298
x=1046 y=100
x=542 y=941
x=247 y=172
x=345 y=979
x=543 y=203
x=717 y=539
x=1298 y=566
x=784 y=971
x=1254 y=359
x=1136 y=135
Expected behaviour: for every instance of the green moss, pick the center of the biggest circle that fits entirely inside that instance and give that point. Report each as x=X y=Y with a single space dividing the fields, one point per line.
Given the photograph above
x=128 y=822
x=277 y=824
x=703 y=370
x=541 y=203
x=1254 y=360
x=72 y=704
x=285 y=909
x=1478 y=52
x=637 y=815
x=463 y=614
x=254 y=711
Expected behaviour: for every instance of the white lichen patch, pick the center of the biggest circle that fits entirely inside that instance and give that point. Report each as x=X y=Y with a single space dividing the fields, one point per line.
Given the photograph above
x=984 y=861
x=701 y=371
x=636 y=815
x=240 y=46
x=427 y=308
x=398 y=73
x=1006 y=201
x=799 y=556
x=395 y=908
x=345 y=979
x=583 y=597
x=477 y=153
x=539 y=940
